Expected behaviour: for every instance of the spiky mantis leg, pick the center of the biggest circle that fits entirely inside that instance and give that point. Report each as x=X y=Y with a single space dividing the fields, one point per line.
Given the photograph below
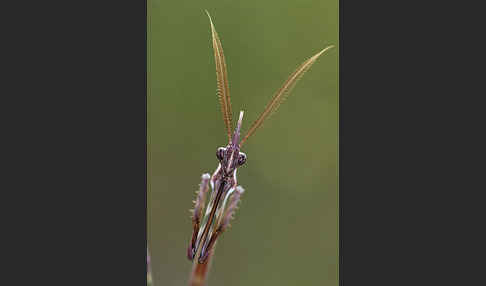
x=197 y=212
x=201 y=265
x=224 y=221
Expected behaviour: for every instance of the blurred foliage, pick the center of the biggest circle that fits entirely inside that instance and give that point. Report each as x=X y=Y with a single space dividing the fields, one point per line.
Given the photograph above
x=286 y=230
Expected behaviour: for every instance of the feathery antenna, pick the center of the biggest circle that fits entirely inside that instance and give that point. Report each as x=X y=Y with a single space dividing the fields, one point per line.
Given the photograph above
x=282 y=93
x=222 y=79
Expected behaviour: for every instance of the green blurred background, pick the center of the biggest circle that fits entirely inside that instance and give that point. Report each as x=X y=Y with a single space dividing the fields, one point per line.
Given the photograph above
x=286 y=229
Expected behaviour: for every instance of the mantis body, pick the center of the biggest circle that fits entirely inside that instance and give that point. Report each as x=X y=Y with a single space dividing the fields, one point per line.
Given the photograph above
x=225 y=194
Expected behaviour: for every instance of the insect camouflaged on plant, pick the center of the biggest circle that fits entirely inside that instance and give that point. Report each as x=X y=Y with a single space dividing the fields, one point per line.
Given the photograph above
x=225 y=190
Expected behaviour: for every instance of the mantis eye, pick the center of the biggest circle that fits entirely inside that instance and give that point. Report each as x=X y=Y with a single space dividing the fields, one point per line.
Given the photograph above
x=241 y=158
x=219 y=153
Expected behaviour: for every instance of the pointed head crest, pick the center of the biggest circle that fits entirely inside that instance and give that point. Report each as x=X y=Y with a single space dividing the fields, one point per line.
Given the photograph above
x=235 y=140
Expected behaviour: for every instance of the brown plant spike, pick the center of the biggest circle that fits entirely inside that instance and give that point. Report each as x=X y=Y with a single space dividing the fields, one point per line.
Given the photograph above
x=212 y=219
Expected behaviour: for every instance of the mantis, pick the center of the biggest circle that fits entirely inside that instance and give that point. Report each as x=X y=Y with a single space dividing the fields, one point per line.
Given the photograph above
x=224 y=197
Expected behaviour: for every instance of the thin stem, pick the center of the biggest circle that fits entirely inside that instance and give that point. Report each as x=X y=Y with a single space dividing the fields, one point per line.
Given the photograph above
x=149 y=271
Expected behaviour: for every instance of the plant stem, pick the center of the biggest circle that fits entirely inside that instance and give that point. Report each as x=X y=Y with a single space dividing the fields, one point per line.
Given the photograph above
x=149 y=271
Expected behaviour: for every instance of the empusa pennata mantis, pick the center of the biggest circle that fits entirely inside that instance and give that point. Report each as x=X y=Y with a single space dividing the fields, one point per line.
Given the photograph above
x=225 y=192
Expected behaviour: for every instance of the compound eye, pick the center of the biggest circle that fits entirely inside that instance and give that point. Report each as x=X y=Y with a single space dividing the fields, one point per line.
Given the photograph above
x=241 y=158
x=220 y=153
